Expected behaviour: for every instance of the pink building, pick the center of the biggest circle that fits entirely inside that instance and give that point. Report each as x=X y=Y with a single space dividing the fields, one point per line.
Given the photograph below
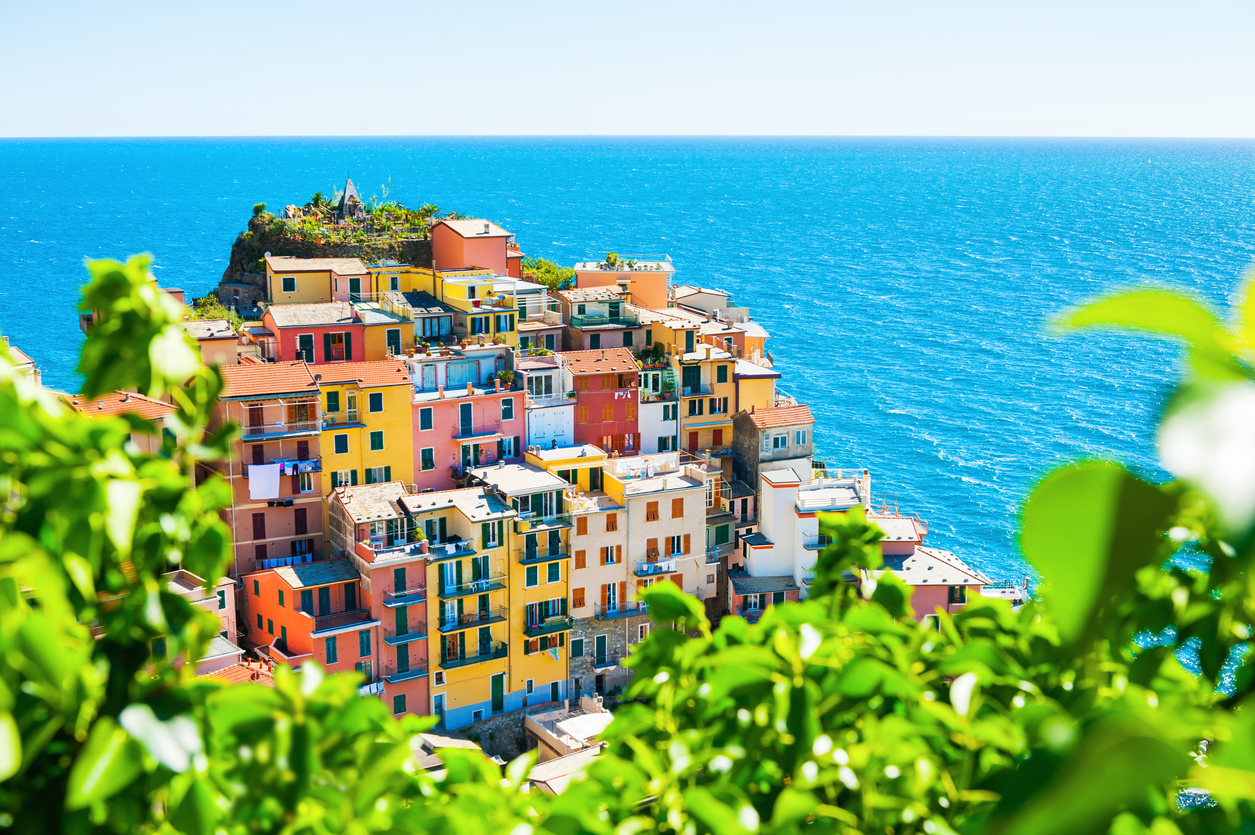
x=607 y=398
x=316 y=333
x=470 y=410
x=460 y=244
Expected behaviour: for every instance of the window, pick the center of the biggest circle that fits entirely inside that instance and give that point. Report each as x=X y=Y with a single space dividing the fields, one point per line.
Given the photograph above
x=307 y=601
x=260 y=625
x=289 y=284
x=799 y=437
x=581 y=414
x=710 y=578
x=305 y=482
x=398 y=704
x=932 y=622
x=332 y=657
x=424 y=419
x=363 y=643
x=696 y=407
x=718 y=405
x=642 y=631
x=958 y=594
x=533 y=576
x=627 y=339
x=577 y=644
x=581 y=526
x=555 y=572
x=374 y=401
x=649 y=338
x=336 y=347
x=376 y=440
x=669 y=411
x=394 y=283
x=629 y=411
x=259 y=453
x=507 y=409
x=479 y=325
x=577 y=598
x=721 y=373
x=428 y=456
x=333 y=401
x=341 y=444
x=378 y=475
x=283 y=636
x=259 y=526
x=594 y=341
x=270 y=626
x=256 y=589
x=580 y=559
x=677 y=508
x=612 y=522
x=651 y=511
x=343 y=478
x=779 y=441
x=530 y=686
x=159 y=647
x=611 y=554
x=607 y=412
x=664 y=443
x=477 y=716
x=280 y=598
x=300 y=521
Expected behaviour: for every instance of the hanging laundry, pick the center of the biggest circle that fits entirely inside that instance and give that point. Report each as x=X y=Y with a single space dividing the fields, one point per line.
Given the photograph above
x=263 y=481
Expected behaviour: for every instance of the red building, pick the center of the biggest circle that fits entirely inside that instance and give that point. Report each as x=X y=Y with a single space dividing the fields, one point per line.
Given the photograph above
x=462 y=244
x=606 y=398
x=317 y=333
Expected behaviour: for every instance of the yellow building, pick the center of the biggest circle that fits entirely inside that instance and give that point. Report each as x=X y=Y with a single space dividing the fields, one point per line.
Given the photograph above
x=485 y=305
x=367 y=428
x=707 y=389
x=538 y=576
x=291 y=280
x=469 y=595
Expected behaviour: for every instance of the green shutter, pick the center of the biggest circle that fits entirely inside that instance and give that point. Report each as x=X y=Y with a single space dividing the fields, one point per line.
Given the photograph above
x=348 y=345
x=484 y=534
x=335 y=480
x=370 y=478
x=387 y=473
x=353 y=478
x=326 y=346
x=500 y=531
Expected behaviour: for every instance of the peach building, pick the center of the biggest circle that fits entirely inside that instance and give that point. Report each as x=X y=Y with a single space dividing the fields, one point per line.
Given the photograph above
x=645 y=278
x=222 y=651
x=217 y=340
x=128 y=402
x=459 y=244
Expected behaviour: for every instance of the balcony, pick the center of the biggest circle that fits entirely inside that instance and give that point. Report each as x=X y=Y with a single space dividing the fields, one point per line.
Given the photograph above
x=631 y=609
x=493 y=582
x=472 y=619
x=624 y=319
x=610 y=659
x=715 y=552
x=341 y=421
x=656 y=568
x=399 y=548
x=657 y=396
x=697 y=391
x=482 y=429
x=280 y=429
x=544 y=401
x=548 y=627
x=394 y=676
x=537 y=557
x=450 y=550
x=412 y=593
x=277 y=562
x=497 y=649
x=393 y=638
x=341 y=620
x=371 y=688
x=541 y=522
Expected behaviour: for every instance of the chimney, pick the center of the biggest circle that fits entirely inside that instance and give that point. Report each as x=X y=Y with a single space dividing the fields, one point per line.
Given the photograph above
x=470 y=388
x=487 y=226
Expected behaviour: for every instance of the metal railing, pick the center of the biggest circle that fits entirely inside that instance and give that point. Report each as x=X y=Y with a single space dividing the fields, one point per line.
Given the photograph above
x=469 y=619
x=628 y=609
x=394 y=676
x=548 y=626
x=697 y=391
x=339 y=620
x=593 y=320
x=526 y=557
x=492 y=582
x=656 y=568
x=714 y=552
x=413 y=633
x=545 y=400
x=449 y=550
x=496 y=650
x=608 y=659
x=259 y=430
x=483 y=429
x=412 y=593
x=543 y=521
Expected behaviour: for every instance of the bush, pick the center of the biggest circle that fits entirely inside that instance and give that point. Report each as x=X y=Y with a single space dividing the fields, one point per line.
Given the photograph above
x=259 y=209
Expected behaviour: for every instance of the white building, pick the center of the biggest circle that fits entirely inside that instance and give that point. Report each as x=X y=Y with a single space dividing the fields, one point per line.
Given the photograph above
x=550 y=408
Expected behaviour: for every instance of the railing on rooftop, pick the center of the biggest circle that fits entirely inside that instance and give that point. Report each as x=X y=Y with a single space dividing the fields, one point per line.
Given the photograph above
x=545 y=400
x=715 y=552
x=549 y=626
x=448 y=550
x=627 y=319
x=658 y=396
x=542 y=521
x=339 y=620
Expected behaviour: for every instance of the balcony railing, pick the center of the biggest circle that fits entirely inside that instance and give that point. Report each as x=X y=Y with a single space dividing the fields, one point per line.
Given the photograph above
x=548 y=627
x=697 y=391
x=450 y=550
x=497 y=650
x=541 y=521
x=538 y=556
x=269 y=430
x=412 y=593
x=277 y=562
x=481 y=429
x=630 y=609
x=608 y=659
x=471 y=619
x=339 y=620
x=657 y=396
x=394 y=676
x=624 y=319
x=657 y=568
x=715 y=552
x=541 y=401
x=393 y=638
x=492 y=582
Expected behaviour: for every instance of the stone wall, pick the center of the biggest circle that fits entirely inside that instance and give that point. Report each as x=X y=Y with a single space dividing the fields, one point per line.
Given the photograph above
x=502 y=735
x=620 y=634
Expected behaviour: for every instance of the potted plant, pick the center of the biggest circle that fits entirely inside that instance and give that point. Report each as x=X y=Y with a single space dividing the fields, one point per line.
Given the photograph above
x=571 y=395
x=506 y=376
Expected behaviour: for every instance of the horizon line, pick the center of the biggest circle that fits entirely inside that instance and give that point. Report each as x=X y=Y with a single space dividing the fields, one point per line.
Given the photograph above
x=631 y=136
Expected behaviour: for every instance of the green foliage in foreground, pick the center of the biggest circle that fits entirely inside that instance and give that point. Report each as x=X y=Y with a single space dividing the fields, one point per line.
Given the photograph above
x=211 y=307
x=833 y=715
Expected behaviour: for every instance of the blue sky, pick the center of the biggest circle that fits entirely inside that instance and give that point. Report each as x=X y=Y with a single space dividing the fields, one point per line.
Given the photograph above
x=375 y=67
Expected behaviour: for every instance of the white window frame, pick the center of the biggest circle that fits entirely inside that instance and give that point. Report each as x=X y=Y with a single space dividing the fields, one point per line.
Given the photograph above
x=306 y=482
x=780 y=441
x=530 y=686
x=431 y=414
x=376 y=475
x=283 y=283
x=343 y=477
x=394 y=283
x=507 y=404
x=799 y=437
x=431 y=449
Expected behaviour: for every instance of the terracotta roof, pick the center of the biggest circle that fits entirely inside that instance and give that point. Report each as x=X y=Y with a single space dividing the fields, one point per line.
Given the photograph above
x=601 y=361
x=373 y=373
x=242 y=673
x=320 y=573
x=780 y=416
x=121 y=402
x=339 y=266
x=311 y=315
x=267 y=378
x=475 y=228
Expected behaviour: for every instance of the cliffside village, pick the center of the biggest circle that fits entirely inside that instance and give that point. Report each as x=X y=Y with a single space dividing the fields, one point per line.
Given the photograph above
x=457 y=481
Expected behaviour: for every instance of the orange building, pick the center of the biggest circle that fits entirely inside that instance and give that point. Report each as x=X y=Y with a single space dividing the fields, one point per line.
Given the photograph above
x=482 y=244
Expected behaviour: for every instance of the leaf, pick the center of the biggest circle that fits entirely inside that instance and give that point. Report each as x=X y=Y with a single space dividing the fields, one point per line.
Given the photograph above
x=10 y=746
x=1166 y=313
x=107 y=763
x=123 y=498
x=171 y=743
x=196 y=812
x=668 y=604
x=894 y=595
x=792 y=806
x=1088 y=528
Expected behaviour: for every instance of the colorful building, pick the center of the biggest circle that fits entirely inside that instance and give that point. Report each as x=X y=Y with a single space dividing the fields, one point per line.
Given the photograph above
x=275 y=468
x=599 y=317
x=646 y=278
x=460 y=244
x=659 y=415
x=550 y=406
x=132 y=403
x=336 y=332
x=306 y=280
x=216 y=339
x=606 y=398
x=468 y=409
x=773 y=439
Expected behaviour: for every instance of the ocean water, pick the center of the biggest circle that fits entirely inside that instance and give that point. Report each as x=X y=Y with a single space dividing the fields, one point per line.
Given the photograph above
x=907 y=284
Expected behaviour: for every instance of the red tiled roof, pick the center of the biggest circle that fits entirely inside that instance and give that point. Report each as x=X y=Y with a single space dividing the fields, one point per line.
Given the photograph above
x=375 y=373
x=781 y=416
x=600 y=361
x=242 y=673
x=120 y=402
x=267 y=378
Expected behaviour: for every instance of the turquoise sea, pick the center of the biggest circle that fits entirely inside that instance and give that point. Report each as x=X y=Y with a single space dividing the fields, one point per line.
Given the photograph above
x=906 y=283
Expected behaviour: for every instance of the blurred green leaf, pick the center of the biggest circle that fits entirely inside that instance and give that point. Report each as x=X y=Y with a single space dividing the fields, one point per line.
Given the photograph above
x=108 y=762
x=10 y=746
